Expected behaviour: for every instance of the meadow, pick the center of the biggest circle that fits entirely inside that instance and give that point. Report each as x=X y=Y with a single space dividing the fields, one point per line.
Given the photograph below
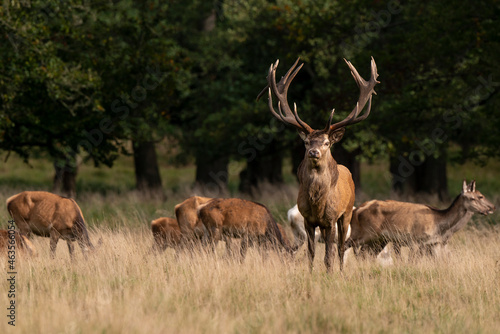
x=122 y=288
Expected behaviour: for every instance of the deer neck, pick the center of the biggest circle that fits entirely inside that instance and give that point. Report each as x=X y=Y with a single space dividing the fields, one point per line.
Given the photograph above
x=319 y=177
x=454 y=218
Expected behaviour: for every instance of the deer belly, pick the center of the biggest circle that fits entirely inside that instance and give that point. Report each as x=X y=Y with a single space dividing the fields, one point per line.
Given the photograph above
x=407 y=237
x=40 y=230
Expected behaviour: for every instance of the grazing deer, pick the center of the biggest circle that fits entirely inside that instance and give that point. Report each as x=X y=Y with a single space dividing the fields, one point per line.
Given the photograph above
x=49 y=215
x=376 y=223
x=191 y=228
x=166 y=233
x=22 y=244
x=238 y=218
x=326 y=189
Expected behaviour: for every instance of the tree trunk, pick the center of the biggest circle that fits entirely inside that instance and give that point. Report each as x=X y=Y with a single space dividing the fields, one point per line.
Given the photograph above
x=147 y=174
x=265 y=167
x=65 y=179
x=348 y=159
x=424 y=175
x=212 y=175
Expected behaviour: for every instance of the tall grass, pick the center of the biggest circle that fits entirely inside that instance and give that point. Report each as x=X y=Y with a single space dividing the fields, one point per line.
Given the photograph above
x=121 y=288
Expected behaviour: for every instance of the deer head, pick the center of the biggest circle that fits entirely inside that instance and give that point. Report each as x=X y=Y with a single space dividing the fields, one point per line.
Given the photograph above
x=475 y=201
x=318 y=142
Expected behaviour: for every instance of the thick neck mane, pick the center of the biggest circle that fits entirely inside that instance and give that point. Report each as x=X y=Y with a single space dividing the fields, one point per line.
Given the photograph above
x=318 y=179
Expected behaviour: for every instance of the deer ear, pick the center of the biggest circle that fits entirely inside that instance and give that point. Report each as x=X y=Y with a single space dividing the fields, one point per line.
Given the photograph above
x=336 y=136
x=473 y=186
x=465 y=188
x=302 y=134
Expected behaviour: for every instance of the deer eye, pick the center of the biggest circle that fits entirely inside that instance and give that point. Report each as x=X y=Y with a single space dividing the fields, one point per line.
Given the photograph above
x=327 y=143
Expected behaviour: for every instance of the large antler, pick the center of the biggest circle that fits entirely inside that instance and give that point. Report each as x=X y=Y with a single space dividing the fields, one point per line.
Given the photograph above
x=280 y=90
x=365 y=95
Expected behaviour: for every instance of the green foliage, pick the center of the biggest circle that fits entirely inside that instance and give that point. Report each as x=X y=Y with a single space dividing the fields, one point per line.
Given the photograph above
x=49 y=96
x=79 y=76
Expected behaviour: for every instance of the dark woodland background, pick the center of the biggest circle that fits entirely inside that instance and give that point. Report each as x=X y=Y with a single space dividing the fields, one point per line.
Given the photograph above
x=92 y=81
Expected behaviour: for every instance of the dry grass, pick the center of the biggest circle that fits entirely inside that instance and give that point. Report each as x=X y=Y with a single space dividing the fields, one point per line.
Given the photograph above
x=122 y=289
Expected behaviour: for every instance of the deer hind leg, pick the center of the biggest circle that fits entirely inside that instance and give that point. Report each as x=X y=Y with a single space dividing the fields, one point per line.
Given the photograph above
x=22 y=225
x=343 y=226
x=54 y=238
x=214 y=236
x=311 y=243
x=71 y=249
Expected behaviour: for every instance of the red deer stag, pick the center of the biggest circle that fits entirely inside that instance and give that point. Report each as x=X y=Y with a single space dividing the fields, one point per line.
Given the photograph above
x=166 y=233
x=191 y=228
x=326 y=190
x=376 y=223
x=49 y=215
x=238 y=218
x=22 y=244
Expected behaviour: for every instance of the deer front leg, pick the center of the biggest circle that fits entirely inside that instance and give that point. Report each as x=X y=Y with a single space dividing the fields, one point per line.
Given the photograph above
x=229 y=247
x=311 y=243
x=244 y=247
x=328 y=235
x=54 y=238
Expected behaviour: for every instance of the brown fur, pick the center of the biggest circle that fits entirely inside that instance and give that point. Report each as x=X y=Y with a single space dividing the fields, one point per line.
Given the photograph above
x=233 y=217
x=166 y=233
x=22 y=244
x=187 y=217
x=376 y=223
x=49 y=215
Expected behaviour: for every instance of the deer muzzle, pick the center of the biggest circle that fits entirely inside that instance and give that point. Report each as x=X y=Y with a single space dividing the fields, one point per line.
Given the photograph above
x=314 y=154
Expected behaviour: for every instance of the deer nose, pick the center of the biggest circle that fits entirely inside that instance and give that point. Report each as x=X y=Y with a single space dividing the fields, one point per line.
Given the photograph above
x=314 y=153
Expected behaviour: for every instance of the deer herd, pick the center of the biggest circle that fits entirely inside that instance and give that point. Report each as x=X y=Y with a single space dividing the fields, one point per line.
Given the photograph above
x=325 y=200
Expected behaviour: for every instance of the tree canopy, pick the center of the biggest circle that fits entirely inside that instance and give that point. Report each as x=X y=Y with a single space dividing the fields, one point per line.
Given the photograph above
x=82 y=78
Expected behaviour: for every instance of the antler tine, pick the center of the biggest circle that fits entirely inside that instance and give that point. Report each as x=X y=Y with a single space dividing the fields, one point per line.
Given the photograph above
x=366 y=89
x=285 y=77
x=271 y=107
x=330 y=119
x=280 y=89
x=301 y=122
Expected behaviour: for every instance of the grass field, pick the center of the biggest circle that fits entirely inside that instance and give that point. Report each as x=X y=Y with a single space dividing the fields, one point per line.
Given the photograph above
x=123 y=289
